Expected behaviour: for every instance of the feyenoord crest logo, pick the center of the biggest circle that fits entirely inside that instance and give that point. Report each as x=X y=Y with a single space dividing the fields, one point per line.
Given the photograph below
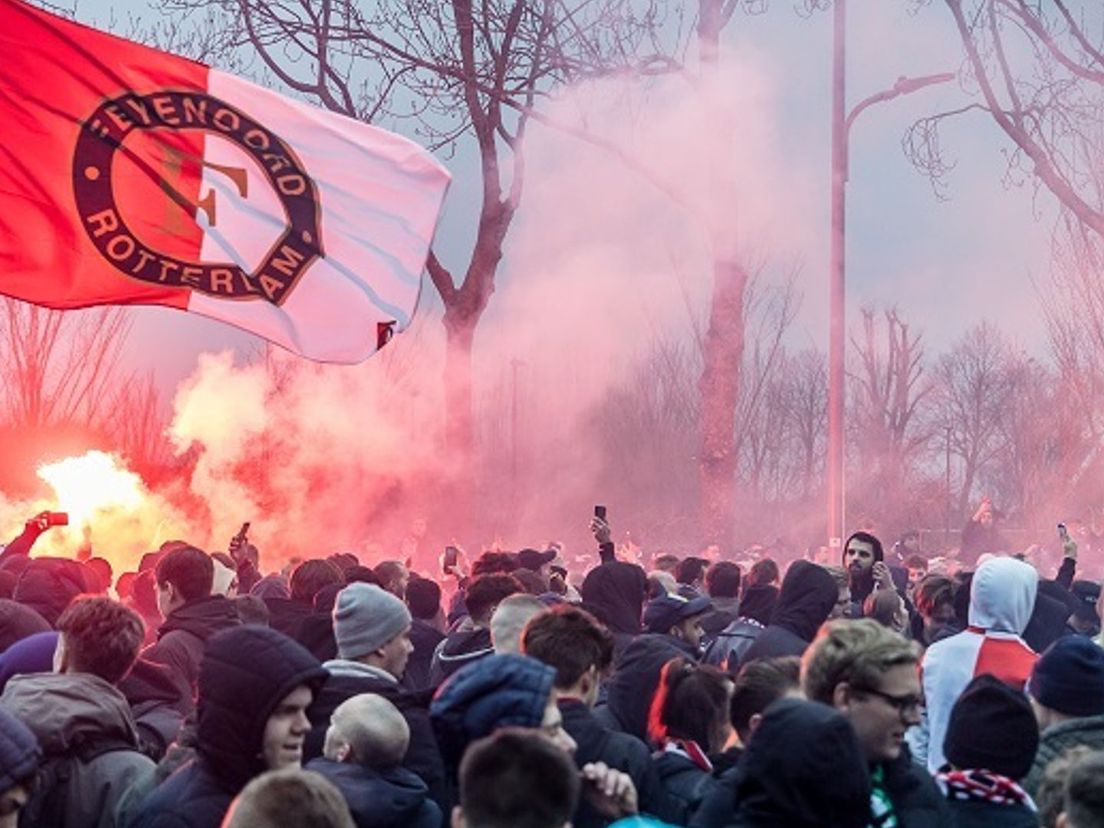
x=101 y=140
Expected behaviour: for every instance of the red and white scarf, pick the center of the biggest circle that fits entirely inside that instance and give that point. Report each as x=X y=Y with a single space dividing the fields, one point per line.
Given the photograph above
x=982 y=786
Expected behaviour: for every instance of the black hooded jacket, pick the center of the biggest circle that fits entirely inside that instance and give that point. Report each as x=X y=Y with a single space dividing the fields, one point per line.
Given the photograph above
x=458 y=649
x=803 y=768
x=393 y=798
x=630 y=690
x=48 y=585
x=245 y=673
x=807 y=597
x=181 y=639
x=619 y=589
x=758 y=602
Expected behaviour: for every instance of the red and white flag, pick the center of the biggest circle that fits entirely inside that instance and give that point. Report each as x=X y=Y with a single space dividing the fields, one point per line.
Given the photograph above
x=131 y=176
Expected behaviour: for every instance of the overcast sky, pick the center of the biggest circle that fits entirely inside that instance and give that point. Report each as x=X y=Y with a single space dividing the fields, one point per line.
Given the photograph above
x=947 y=264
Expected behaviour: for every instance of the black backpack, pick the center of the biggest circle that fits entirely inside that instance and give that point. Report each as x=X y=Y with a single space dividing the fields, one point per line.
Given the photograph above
x=47 y=803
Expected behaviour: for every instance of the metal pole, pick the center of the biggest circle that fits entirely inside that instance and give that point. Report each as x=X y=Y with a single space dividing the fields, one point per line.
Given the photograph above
x=836 y=340
x=947 y=510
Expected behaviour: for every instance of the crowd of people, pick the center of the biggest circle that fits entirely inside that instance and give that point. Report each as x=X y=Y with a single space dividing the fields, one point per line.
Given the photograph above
x=208 y=689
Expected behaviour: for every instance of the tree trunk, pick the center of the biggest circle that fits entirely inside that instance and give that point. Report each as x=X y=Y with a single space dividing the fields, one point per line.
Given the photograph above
x=459 y=420
x=723 y=352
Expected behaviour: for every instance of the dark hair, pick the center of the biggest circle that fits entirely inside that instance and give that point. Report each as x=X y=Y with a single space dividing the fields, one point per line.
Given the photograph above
x=532 y=581
x=310 y=576
x=722 y=580
x=252 y=609
x=389 y=573
x=666 y=561
x=1084 y=794
x=149 y=560
x=758 y=685
x=517 y=778
x=690 y=702
x=143 y=595
x=490 y=563
x=291 y=796
x=882 y=605
x=569 y=639
x=361 y=574
x=484 y=593
x=101 y=569
x=102 y=637
x=866 y=537
x=916 y=562
x=423 y=598
x=188 y=569
x=931 y=592
x=762 y=573
x=690 y=570
x=344 y=561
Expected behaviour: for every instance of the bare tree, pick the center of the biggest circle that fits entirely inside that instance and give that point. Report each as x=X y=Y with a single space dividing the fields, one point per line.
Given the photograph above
x=58 y=368
x=974 y=384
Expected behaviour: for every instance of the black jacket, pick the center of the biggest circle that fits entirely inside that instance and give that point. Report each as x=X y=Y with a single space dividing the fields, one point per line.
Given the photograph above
x=598 y=743
x=732 y=644
x=685 y=783
x=394 y=798
x=916 y=798
x=286 y=615
x=425 y=638
x=630 y=690
x=183 y=635
x=806 y=599
x=422 y=757
x=991 y=815
x=457 y=650
x=245 y=673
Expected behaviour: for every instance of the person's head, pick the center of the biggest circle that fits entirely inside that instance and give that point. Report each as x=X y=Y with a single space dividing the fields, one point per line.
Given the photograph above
x=101 y=568
x=843 y=592
x=516 y=779
x=572 y=642
x=509 y=619
x=992 y=728
x=759 y=684
x=310 y=576
x=1067 y=682
x=764 y=572
x=372 y=625
x=666 y=562
x=917 y=568
x=19 y=758
x=1083 y=803
x=677 y=617
x=423 y=598
x=985 y=514
x=887 y=608
x=393 y=576
x=1002 y=595
x=252 y=610
x=910 y=542
x=289 y=796
x=247 y=552
x=491 y=562
x=691 y=571
x=934 y=598
x=100 y=636
x=868 y=673
x=184 y=574
x=722 y=580
x=361 y=574
x=535 y=561
x=860 y=553
x=486 y=592
x=1050 y=794
x=691 y=703
x=496 y=691
x=254 y=687
x=1085 y=618
x=367 y=730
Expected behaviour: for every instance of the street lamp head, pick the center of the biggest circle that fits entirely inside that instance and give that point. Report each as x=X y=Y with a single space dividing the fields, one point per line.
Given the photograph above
x=906 y=85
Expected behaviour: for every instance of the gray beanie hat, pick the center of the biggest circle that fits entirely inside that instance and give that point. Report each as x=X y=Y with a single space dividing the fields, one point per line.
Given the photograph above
x=365 y=618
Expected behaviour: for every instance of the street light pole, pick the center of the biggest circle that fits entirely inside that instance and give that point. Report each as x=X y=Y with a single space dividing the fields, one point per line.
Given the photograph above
x=842 y=122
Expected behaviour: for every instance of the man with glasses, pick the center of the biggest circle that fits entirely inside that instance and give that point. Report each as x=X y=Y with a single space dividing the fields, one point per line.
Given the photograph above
x=870 y=674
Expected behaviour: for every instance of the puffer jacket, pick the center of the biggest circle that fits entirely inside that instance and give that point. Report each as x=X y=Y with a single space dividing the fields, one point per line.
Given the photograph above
x=393 y=798
x=69 y=713
x=1057 y=739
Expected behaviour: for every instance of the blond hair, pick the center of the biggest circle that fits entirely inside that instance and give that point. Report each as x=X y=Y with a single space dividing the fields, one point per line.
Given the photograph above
x=856 y=652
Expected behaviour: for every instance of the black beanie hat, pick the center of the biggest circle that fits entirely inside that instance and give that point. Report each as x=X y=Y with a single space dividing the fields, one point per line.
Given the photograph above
x=1069 y=677
x=993 y=728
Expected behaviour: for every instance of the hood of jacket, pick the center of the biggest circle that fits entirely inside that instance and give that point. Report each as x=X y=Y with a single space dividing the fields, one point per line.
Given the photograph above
x=806 y=599
x=33 y=654
x=202 y=618
x=1002 y=595
x=804 y=768
x=758 y=602
x=630 y=690
x=618 y=588
x=246 y=671
x=460 y=646
x=376 y=799
x=19 y=753
x=64 y=709
x=496 y=691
